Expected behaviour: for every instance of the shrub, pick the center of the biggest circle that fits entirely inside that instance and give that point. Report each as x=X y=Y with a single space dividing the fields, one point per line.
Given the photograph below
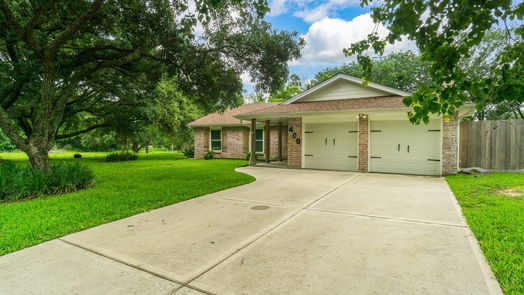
x=121 y=157
x=248 y=156
x=77 y=156
x=209 y=155
x=189 y=152
x=23 y=182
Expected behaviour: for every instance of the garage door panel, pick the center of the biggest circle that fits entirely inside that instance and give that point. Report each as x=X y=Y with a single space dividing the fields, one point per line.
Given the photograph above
x=329 y=146
x=405 y=148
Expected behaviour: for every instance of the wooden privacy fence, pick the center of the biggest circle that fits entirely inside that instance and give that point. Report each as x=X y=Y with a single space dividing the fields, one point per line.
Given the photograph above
x=492 y=145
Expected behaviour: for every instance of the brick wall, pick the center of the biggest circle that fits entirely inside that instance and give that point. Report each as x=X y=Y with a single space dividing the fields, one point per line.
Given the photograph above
x=273 y=141
x=294 y=150
x=234 y=145
x=363 y=136
x=235 y=142
x=450 y=137
x=201 y=141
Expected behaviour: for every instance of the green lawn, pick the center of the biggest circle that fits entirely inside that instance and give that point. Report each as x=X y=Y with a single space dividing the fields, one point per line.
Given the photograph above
x=497 y=221
x=123 y=189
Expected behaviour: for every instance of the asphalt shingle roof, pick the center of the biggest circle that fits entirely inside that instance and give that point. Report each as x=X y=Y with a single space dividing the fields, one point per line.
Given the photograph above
x=227 y=117
x=383 y=102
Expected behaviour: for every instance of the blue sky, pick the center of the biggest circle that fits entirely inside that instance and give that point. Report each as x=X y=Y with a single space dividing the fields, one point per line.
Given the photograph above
x=327 y=27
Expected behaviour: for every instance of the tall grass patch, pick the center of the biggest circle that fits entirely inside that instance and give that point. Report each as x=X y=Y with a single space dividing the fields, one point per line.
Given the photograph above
x=19 y=182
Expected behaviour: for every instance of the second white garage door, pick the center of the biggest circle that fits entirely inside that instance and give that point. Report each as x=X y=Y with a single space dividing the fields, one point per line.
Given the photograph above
x=401 y=147
x=331 y=146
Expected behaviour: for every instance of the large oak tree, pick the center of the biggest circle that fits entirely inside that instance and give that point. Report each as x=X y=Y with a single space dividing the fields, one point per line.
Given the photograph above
x=94 y=61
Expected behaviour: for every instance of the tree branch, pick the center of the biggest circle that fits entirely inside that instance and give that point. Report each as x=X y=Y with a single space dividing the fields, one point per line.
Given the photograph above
x=73 y=28
x=61 y=136
x=27 y=34
x=10 y=130
x=10 y=18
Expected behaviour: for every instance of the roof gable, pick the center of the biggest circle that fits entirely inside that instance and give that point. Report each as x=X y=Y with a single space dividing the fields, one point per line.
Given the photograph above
x=343 y=86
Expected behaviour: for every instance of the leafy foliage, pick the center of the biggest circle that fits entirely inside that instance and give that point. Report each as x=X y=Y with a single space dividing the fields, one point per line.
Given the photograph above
x=446 y=35
x=209 y=155
x=5 y=143
x=70 y=67
x=292 y=88
x=480 y=64
x=189 y=151
x=121 y=157
x=21 y=182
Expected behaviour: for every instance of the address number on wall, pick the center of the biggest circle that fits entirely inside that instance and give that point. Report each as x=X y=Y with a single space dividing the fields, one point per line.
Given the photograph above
x=294 y=135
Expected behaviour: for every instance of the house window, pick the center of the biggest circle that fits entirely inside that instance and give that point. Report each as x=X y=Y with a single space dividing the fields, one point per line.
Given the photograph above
x=260 y=140
x=216 y=140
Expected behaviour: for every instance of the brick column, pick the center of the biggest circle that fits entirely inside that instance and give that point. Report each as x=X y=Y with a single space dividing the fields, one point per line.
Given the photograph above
x=450 y=137
x=294 y=149
x=201 y=141
x=363 y=138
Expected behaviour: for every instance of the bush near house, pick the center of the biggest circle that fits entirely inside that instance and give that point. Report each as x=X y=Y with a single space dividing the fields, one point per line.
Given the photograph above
x=209 y=155
x=189 y=152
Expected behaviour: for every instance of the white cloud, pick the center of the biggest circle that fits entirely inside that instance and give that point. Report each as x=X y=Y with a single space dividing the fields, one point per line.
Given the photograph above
x=327 y=37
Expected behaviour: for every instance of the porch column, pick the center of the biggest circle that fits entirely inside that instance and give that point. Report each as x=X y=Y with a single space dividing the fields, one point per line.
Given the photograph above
x=450 y=144
x=253 y=157
x=280 y=141
x=266 y=141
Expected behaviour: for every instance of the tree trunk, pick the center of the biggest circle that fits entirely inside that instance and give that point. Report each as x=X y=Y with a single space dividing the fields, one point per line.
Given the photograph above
x=147 y=149
x=135 y=147
x=39 y=158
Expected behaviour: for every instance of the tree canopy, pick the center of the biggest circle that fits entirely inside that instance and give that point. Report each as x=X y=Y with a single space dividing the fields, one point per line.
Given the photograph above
x=446 y=33
x=69 y=67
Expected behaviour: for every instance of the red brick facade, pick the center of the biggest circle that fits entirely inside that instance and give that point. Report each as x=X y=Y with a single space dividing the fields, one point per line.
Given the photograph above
x=363 y=140
x=235 y=142
x=450 y=152
x=201 y=141
x=294 y=150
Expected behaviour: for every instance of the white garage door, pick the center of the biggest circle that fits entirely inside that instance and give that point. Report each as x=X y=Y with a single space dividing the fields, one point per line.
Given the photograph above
x=401 y=147
x=331 y=146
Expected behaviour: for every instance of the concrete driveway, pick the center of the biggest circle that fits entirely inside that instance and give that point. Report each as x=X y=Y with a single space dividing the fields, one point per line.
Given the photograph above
x=290 y=232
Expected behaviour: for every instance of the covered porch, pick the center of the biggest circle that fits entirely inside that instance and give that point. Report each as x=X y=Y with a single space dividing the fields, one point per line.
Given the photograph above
x=274 y=141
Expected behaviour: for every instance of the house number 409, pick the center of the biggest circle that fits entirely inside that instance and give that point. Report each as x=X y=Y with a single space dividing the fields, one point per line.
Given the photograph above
x=294 y=135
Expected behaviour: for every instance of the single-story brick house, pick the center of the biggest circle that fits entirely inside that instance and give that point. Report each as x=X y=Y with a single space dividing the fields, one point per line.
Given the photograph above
x=339 y=124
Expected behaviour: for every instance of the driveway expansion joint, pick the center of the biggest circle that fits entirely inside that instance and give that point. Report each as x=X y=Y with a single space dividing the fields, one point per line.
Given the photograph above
x=120 y=261
x=265 y=233
x=426 y=222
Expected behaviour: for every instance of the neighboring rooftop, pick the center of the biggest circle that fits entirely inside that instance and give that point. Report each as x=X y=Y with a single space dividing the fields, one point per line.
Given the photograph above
x=383 y=102
x=228 y=116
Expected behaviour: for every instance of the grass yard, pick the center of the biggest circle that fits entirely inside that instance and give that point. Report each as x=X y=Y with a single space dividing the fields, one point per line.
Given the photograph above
x=122 y=189
x=494 y=208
